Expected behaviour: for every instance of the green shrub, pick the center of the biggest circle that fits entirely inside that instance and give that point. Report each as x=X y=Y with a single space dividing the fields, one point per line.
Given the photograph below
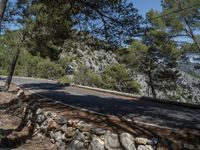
x=49 y=70
x=85 y=77
x=65 y=60
x=118 y=78
x=133 y=87
x=3 y=72
x=64 y=80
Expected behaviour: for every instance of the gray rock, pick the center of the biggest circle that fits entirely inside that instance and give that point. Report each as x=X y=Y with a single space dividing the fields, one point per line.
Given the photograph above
x=53 y=115
x=61 y=145
x=48 y=114
x=145 y=147
x=64 y=128
x=153 y=141
x=127 y=141
x=72 y=122
x=188 y=146
x=40 y=118
x=43 y=128
x=97 y=131
x=52 y=134
x=112 y=141
x=76 y=145
x=2 y=83
x=30 y=116
x=21 y=94
x=96 y=144
x=52 y=141
x=141 y=141
x=84 y=127
x=69 y=132
x=78 y=136
x=61 y=120
x=58 y=136
x=39 y=111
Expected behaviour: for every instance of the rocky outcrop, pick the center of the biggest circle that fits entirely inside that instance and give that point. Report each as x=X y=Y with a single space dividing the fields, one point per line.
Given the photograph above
x=84 y=49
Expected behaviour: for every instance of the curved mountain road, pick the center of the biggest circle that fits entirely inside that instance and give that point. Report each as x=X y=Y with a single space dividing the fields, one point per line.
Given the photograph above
x=140 y=109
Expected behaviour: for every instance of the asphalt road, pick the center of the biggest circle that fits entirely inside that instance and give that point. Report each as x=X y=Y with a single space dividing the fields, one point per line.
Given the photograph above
x=141 y=109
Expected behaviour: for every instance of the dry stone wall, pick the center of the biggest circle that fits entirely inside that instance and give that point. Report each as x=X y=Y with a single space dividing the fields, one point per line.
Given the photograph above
x=75 y=134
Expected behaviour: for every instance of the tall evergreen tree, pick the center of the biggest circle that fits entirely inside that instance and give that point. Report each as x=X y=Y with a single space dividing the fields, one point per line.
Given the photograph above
x=180 y=18
x=156 y=60
x=49 y=23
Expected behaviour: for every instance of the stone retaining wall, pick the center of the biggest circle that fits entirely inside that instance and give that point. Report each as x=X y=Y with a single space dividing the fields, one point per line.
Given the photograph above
x=79 y=135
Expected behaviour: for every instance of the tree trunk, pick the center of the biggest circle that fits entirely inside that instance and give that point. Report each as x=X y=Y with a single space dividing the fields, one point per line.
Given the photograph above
x=11 y=70
x=152 y=88
x=150 y=81
x=2 y=10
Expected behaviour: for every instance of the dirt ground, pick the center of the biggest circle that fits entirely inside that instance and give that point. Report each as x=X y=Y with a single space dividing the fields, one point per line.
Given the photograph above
x=10 y=128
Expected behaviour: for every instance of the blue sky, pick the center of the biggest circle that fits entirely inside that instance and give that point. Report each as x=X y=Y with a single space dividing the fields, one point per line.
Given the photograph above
x=145 y=5
x=142 y=5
